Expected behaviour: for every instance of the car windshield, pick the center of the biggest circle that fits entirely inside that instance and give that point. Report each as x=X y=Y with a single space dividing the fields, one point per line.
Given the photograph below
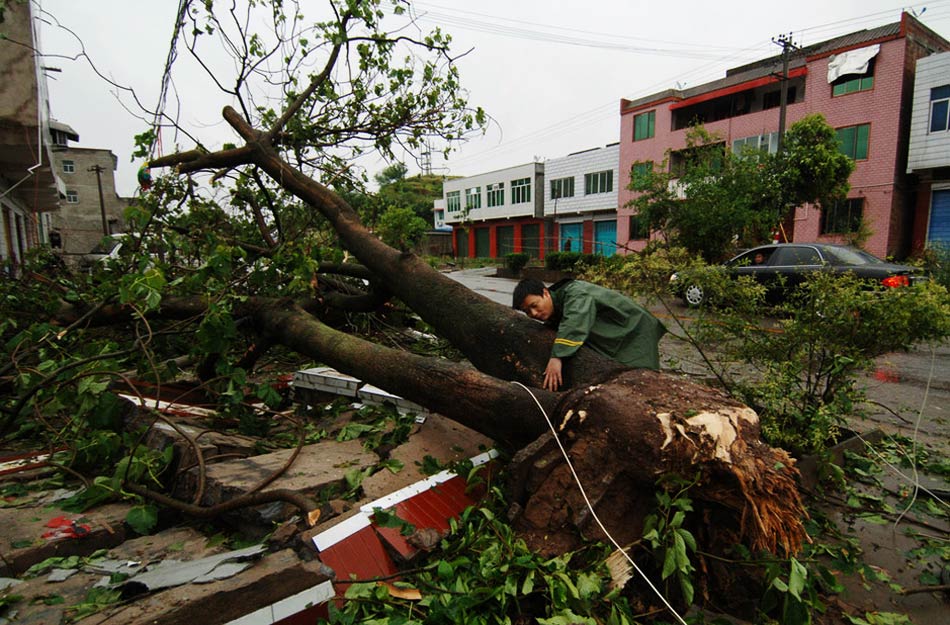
x=849 y=256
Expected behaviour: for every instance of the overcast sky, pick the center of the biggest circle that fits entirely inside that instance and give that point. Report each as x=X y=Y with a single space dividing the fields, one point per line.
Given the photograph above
x=550 y=73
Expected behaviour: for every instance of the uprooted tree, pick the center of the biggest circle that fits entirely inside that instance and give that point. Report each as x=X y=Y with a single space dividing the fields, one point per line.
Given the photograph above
x=225 y=284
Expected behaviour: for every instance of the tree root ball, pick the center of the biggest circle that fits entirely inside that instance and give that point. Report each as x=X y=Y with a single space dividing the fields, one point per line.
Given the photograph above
x=623 y=434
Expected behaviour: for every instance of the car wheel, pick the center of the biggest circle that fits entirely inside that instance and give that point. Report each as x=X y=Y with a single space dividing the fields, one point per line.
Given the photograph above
x=693 y=295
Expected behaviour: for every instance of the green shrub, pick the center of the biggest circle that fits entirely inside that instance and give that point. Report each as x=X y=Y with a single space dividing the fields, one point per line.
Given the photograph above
x=517 y=261
x=565 y=261
x=936 y=260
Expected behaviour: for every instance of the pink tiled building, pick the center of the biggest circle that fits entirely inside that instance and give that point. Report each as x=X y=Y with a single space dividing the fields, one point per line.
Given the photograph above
x=862 y=83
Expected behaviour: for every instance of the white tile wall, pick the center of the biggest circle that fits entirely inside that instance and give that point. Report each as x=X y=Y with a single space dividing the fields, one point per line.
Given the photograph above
x=576 y=166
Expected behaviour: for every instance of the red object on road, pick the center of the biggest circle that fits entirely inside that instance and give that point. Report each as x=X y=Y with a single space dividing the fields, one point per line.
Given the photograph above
x=64 y=527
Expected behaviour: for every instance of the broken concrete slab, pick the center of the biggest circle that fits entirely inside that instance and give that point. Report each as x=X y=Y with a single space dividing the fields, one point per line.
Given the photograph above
x=275 y=577
x=131 y=558
x=23 y=545
x=317 y=466
x=444 y=440
x=215 y=446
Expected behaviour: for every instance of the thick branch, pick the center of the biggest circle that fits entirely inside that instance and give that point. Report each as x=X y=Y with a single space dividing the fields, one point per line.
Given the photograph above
x=495 y=408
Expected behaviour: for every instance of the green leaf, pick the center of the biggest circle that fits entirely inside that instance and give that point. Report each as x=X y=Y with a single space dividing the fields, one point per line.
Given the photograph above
x=796 y=578
x=679 y=547
x=528 y=586
x=588 y=585
x=669 y=563
x=394 y=465
x=567 y=617
x=142 y=519
x=686 y=586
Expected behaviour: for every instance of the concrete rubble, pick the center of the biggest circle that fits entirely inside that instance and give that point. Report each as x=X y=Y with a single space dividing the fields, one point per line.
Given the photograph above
x=179 y=574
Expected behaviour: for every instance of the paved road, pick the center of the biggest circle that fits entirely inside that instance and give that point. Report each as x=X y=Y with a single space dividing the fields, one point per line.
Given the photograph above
x=907 y=391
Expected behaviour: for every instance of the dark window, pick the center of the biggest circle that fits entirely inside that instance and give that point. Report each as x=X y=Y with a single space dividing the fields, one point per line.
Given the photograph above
x=639 y=229
x=853 y=83
x=843 y=216
x=773 y=99
x=853 y=141
x=562 y=187
x=709 y=156
x=641 y=169
x=599 y=182
x=795 y=255
x=644 y=125
x=939 y=108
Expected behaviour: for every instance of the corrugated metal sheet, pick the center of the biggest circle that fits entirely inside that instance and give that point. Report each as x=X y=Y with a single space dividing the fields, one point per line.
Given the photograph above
x=358 y=548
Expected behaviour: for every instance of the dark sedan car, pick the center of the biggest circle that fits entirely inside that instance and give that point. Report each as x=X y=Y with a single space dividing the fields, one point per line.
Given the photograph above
x=784 y=266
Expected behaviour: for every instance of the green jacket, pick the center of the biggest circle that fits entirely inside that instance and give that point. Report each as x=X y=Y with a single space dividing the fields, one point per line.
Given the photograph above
x=606 y=321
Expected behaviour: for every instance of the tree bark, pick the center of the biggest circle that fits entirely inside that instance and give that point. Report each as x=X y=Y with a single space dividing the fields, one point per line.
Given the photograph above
x=622 y=429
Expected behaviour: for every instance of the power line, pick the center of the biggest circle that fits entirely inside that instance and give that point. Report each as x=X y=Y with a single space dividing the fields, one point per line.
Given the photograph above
x=603 y=111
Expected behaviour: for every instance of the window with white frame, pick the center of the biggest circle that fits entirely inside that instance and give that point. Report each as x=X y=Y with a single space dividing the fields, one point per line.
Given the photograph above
x=766 y=143
x=496 y=194
x=562 y=187
x=69 y=167
x=599 y=182
x=473 y=198
x=72 y=197
x=453 y=201
x=521 y=190
x=940 y=108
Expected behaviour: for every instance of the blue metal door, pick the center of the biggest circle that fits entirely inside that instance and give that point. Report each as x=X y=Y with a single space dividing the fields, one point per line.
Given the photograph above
x=605 y=238
x=572 y=238
x=939 y=231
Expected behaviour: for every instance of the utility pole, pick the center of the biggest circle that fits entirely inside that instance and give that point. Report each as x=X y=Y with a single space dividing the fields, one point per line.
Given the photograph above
x=102 y=204
x=785 y=41
x=427 y=159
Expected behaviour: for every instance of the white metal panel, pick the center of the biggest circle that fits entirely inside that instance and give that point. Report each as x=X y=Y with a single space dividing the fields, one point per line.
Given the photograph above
x=928 y=150
x=576 y=166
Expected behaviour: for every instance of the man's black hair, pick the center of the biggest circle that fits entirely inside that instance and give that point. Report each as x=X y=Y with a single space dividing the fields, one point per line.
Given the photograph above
x=527 y=286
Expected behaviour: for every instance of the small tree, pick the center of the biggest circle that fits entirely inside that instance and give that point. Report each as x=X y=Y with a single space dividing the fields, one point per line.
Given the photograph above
x=713 y=198
x=401 y=228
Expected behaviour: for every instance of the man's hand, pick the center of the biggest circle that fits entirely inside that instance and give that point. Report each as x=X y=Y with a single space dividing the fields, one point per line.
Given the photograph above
x=552 y=375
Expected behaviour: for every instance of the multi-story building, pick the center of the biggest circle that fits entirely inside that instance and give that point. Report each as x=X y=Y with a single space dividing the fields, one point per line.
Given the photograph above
x=497 y=213
x=92 y=208
x=581 y=199
x=29 y=187
x=861 y=82
x=929 y=153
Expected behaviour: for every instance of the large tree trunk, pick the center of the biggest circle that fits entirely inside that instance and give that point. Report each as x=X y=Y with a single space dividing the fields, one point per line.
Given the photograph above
x=622 y=428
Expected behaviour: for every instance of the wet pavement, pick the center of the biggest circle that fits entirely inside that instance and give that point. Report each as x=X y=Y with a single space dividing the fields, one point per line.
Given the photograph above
x=908 y=392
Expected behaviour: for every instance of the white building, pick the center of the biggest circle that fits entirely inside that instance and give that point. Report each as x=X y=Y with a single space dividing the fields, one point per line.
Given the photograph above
x=581 y=199
x=929 y=153
x=497 y=213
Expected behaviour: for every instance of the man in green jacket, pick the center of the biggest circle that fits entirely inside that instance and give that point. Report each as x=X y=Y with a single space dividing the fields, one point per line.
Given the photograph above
x=586 y=314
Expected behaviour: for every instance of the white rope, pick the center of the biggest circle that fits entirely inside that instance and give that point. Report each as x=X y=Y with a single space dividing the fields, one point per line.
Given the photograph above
x=591 y=507
x=915 y=480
